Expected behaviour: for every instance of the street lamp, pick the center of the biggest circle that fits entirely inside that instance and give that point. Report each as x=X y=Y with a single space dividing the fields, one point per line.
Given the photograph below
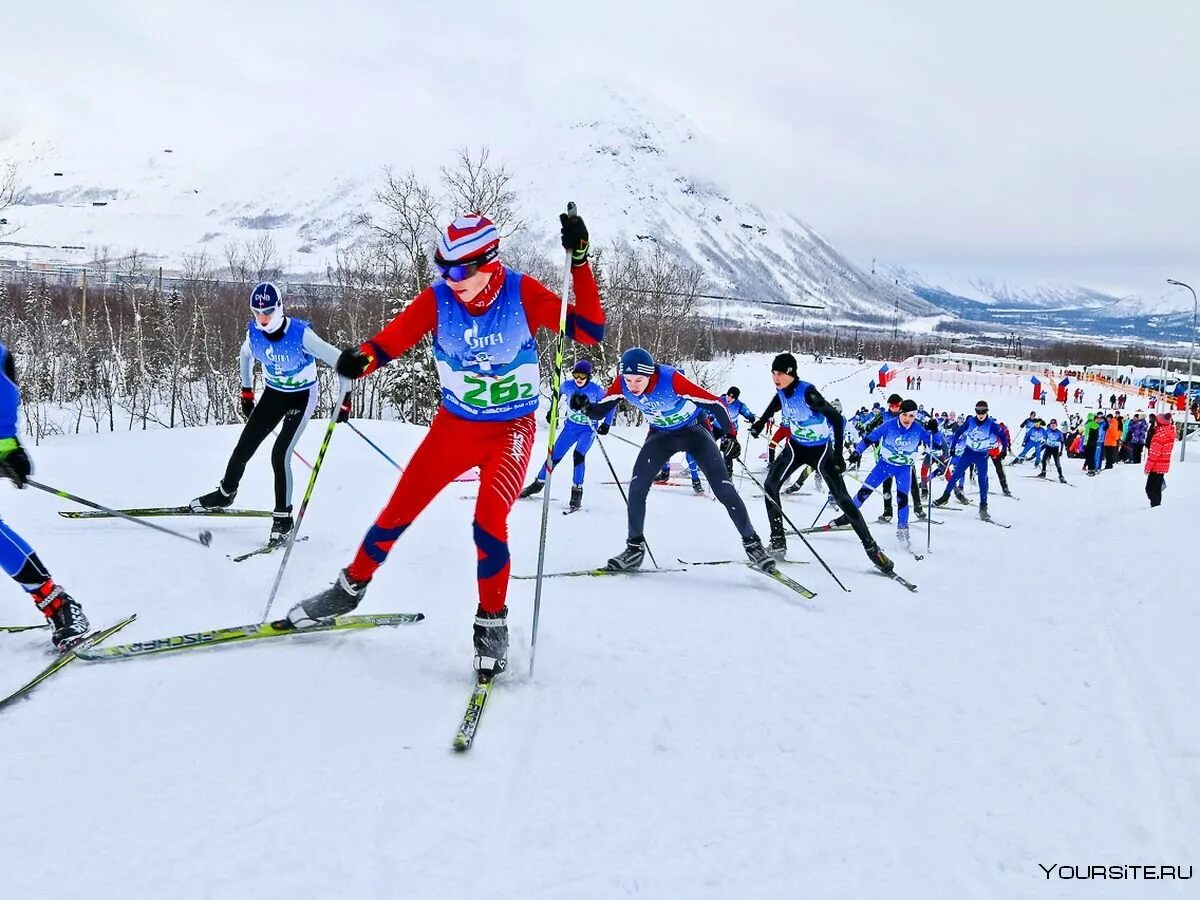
x=1187 y=403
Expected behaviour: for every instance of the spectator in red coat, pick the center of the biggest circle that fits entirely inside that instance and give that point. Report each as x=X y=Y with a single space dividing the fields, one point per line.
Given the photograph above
x=1159 y=443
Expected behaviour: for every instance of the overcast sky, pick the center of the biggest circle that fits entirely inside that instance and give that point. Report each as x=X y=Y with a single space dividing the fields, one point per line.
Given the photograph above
x=1025 y=137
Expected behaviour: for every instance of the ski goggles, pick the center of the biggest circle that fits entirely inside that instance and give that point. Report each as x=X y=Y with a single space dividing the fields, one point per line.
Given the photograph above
x=981 y=410
x=458 y=271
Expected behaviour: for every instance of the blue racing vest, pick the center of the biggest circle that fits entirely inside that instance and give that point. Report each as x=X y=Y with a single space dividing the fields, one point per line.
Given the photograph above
x=286 y=365
x=808 y=429
x=487 y=364
x=663 y=408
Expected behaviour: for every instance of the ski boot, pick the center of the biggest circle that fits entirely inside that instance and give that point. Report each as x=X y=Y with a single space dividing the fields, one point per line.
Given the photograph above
x=920 y=513
x=759 y=557
x=941 y=501
x=903 y=538
x=534 y=487
x=664 y=475
x=878 y=557
x=491 y=643
x=884 y=517
x=1062 y=480
x=66 y=616
x=281 y=526
x=217 y=499
x=697 y=486
x=840 y=522
x=1007 y=493
x=336 y=600
x=576 y=496
x=983 y=512
x=962 y=498
x=630 y=558
x=778 y=545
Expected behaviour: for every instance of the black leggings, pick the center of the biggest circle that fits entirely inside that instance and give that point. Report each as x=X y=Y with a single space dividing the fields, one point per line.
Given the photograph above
x=1047 y=454
x=788 y=460
x=293 y=408
x=999 y=464
x=660 y=446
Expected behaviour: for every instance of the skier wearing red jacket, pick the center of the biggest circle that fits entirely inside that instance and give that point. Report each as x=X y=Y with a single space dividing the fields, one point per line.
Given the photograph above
x=483 y=317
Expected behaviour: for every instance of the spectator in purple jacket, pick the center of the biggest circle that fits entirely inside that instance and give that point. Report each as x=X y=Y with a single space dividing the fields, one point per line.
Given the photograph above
x=1137 y=436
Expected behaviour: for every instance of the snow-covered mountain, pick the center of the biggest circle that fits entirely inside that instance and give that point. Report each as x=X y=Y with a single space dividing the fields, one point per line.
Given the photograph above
x=640 y=172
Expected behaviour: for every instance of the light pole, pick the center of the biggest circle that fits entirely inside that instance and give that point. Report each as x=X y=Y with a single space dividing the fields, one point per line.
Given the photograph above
x=1187 y=401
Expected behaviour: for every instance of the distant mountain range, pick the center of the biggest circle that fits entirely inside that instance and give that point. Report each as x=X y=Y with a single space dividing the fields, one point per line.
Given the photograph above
x=640 y=173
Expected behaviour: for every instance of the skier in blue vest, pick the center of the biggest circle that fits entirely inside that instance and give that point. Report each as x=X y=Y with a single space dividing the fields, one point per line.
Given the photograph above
x=287 y=349
x=578 y=432
x=817 y=432
x=674 y=408
x=899 y=441
x=68 y=624
x=978 y=435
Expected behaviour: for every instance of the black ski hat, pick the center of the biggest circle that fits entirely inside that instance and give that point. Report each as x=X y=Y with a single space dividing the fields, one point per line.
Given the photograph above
x=785 y=363
x=734 y=393
x=908 y=406
x=895 y=398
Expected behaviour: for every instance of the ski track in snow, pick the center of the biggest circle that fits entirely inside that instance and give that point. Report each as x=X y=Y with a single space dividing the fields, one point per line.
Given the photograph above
x=690 y=735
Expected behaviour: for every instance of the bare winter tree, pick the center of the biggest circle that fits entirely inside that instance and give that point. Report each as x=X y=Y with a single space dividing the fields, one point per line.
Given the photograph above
x=10 y=192
x=474 y=184
x=406 y=226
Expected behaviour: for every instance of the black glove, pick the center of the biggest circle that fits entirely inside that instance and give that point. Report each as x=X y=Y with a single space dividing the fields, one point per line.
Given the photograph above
x=574 y=237
x=838 y=463
x=933 y=426
x=1003 y=454
x=855 y=456
x=343 y=413
x=602 y=428
x=549 y=416
x=579 y=401
x=247 y=402
x=727 y=444
x=352 y=363
x=756 y=430
x=14 y=462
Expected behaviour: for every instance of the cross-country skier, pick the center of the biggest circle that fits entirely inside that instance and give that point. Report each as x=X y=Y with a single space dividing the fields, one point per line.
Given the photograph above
x=673 y=407
x=287 y=349
x=731 y=448
x=67 y=621
x=978 y=435
x=881 y=417
x=1035 y=435
x=817 y=432
x=1052 y=444
x=483 y=317
x=898 y=440
x=578 y=432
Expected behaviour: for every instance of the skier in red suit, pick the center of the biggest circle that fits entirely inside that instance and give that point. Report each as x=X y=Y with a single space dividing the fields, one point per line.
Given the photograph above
x=483 y=317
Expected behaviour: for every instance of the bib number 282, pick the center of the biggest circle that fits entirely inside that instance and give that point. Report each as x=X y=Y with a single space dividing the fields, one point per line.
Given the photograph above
x=495 y=392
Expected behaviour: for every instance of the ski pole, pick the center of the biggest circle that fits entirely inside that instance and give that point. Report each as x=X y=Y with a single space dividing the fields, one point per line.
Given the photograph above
x=312 y=480
x=624 y=440
x=560 y=343
x=822 y=512
x=799 y=533
x=927 y=483
x=204 y=538
x=374 y=446
x=622 y=490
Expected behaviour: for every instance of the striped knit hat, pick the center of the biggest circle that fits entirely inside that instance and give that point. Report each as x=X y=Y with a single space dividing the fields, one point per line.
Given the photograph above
x=468 y=239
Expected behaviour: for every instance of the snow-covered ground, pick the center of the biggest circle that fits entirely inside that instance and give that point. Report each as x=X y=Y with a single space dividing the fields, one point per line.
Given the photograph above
x=687 y=735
